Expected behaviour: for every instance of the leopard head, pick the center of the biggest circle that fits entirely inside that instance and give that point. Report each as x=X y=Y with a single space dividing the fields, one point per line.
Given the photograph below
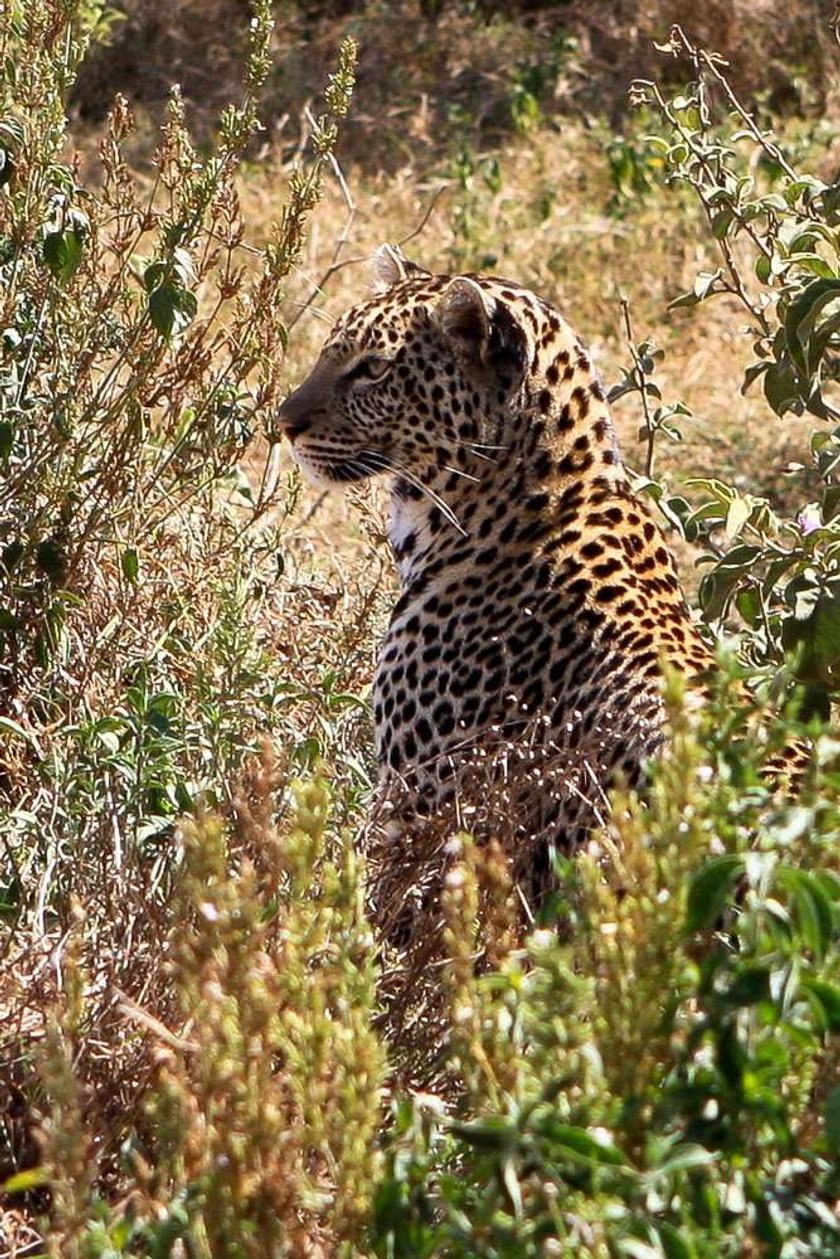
x=409 y=380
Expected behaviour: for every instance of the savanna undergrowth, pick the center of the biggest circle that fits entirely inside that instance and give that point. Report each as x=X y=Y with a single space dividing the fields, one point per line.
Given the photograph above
x=142 y=349
x=193 y=1060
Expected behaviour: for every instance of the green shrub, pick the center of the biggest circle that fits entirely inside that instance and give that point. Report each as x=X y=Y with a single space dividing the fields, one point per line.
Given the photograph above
x=659 y=1080
x=143 y=343
x=775 y=230
x=262 y=1111
x=142 y=348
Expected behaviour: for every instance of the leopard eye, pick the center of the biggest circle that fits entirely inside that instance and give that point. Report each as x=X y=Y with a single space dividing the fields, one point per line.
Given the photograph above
x=369 y=369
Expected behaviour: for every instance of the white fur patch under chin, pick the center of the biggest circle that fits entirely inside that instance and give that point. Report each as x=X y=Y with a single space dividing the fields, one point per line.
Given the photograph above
x=407 y=517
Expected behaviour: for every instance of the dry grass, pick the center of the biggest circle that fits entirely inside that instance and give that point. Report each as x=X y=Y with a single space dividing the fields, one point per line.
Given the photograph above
x=575 y=58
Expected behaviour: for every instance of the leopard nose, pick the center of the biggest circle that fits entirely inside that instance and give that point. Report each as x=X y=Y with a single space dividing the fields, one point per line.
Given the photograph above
x=293 y=417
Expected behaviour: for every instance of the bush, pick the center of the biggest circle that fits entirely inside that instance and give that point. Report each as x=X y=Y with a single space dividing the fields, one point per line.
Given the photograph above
x=143 y=350
x=776 y=232
x=261 y=1121
x=659 y=1080
x=143 y=341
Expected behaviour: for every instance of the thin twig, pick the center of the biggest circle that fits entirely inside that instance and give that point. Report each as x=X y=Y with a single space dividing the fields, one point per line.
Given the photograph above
x=314 y=509
x=341 y=240
x=430 y=209
x=339 y=264
x=642 y=381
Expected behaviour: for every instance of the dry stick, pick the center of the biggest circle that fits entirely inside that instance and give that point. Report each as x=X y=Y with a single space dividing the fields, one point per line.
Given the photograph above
x=271 y=468
x=314 y=509
x=432 y=206
x=135 y=1013
x=337 y=265
x=679 y=43
x=341 y=240
x=772 y=150
x=641 y=376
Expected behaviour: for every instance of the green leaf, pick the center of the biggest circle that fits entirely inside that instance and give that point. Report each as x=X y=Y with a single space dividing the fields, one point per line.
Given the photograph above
x=832 y=1120
x=674 y=1245
x=750 y=986
x=709 y=890
x=171 y=309
x=814 y=631
x=677 y=510
x=7 y=167
x=580 y=1142
x=704 y=283
x=51 y=560
x=63 y=253
x=762 y=268
x=806 y=337
x=780 y=388
x=737 y=516
x=803 y=183
x=635 y=1249
x=752 y=373
x=130 y=565
x=815 y=264
x=510 y=1181
x=748 y=603
x=825 y=634
x=182 y=266
x=681 y=1158
x=830 y=502
x=11 y=555
x=684 y=299
x=717 y=586
x=490 y=1135
x=22 y=1182
x=153 y=275
x=811 y=908
x=828 y=998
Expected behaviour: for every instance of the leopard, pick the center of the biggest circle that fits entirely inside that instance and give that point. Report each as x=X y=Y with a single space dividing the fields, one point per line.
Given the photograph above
x=539 y=605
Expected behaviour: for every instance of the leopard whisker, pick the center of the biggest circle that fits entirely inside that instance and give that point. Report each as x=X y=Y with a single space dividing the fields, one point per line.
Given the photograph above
x=447 y=467
x=389 y=464
x=478 y=449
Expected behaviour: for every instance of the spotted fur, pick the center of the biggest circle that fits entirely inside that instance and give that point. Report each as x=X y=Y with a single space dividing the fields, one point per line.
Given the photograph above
x=539 y=600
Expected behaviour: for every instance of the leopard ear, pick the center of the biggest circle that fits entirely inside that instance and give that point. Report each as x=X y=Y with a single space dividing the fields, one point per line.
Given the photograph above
x=466 y=314
x=390 y=266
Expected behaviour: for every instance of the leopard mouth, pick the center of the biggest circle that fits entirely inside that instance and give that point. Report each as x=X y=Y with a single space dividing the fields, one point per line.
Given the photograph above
x=322 y=468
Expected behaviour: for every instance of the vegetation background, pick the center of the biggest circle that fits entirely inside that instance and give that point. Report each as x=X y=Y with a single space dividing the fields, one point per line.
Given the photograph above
x=199 y=1053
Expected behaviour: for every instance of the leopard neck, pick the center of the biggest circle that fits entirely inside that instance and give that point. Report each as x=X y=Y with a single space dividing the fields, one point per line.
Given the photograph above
x=554 y=438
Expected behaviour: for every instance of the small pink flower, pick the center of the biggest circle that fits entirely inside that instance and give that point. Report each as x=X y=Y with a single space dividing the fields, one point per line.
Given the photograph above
x=809 y=518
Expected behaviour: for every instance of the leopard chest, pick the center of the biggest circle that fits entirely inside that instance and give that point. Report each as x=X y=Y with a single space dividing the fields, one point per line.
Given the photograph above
x=505 y=653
